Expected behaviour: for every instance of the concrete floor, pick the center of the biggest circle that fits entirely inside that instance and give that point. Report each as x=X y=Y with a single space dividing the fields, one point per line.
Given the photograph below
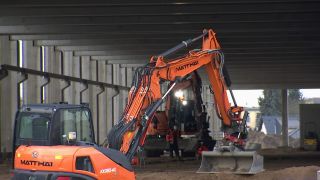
x=275 y=169
x=4 y=172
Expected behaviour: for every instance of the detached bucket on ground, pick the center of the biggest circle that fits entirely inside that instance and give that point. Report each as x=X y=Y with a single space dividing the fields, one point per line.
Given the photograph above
x=242 y=162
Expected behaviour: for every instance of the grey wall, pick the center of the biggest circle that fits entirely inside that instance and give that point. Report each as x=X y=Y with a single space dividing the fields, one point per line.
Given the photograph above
x=109 y=104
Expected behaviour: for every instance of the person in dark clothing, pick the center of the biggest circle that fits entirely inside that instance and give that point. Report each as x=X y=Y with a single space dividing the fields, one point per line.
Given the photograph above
x=172 y=139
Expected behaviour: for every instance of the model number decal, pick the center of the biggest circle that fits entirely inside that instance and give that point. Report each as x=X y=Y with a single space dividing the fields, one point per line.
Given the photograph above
x=36 y=163
x=108 y=170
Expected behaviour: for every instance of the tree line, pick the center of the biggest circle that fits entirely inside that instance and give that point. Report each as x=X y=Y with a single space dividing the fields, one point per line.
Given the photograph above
x=270 y=103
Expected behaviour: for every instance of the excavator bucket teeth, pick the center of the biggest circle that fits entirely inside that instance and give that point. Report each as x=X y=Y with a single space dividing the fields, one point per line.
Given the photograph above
x=242 y=162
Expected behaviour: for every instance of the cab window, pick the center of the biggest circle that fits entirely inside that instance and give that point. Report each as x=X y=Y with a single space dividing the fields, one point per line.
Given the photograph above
x=33 y=126
x=75 y=120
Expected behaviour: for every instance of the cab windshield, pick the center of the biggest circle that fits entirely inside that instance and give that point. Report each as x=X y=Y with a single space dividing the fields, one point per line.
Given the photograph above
x=76 y=120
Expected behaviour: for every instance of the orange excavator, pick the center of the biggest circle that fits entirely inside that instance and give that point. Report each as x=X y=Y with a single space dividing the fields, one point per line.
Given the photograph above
x=145 y=98
x=73 y=157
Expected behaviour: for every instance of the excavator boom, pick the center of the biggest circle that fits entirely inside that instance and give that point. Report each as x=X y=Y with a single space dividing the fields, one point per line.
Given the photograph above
x=145 y=95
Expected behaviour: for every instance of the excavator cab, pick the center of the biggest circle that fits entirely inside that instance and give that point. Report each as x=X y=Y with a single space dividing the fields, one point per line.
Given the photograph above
x=53 y=124
x=56 y=141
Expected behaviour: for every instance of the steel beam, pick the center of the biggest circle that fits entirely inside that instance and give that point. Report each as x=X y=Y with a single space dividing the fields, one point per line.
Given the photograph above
x=127 y=62
x=62 y=77
x=164 y=9
x=163 y=35
x=80 y=3
x=131 y=66
x=115 y=47
x=107 y=50
x=171 y=28
x=105 y=42
x=157 y=48
x=230 y=61
x=102 y=35
x=159 y=19
x=115 y=58
x=116 y=52
x=170 y=41
x=231 y=52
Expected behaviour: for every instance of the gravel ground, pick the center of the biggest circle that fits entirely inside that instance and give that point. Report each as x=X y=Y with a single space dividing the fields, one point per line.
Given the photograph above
x=275 y=169
x=4 y=172
x=299 y=168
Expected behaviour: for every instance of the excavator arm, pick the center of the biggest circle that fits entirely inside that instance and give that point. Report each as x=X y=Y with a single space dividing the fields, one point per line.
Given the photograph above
x=145 y=95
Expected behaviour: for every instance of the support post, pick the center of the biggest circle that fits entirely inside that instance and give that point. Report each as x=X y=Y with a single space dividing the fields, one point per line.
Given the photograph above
x=24 y=77
x=31 y=59
x=102 y=89
x=85 y=85
x=70 y=68
x=67 y=84
x=53 y=65
x=8 y=96
x=116 y=98
x=123 y=94
x=284 y=95
x=101 y=100
x=109 y=99
x=45 y=81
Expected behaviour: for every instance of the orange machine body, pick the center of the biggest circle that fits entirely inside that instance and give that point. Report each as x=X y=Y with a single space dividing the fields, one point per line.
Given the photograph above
x=61 y=161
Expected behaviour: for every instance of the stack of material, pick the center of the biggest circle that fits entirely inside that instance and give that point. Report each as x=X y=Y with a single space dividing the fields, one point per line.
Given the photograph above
x=269 y=141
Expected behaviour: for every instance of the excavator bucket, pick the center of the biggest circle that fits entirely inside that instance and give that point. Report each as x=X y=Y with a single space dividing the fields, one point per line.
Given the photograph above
x=242 y=162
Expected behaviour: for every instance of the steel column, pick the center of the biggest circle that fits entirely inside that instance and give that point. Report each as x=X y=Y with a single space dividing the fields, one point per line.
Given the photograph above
x=284 y=129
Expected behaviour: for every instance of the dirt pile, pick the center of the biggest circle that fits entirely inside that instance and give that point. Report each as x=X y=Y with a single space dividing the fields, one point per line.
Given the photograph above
x=301 y=173
x=269 y=141
x=294 y=173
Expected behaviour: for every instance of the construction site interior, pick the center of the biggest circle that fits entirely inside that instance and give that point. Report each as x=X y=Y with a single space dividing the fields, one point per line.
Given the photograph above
x=160 y=90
